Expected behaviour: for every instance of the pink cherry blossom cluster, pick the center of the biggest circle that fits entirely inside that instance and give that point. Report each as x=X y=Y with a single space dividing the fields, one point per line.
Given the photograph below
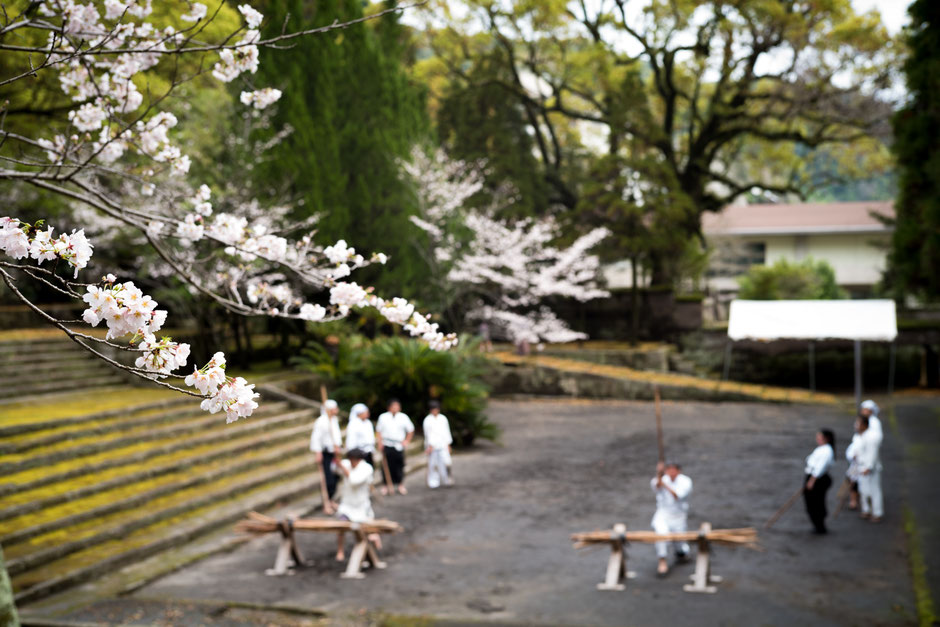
x=514 y=264
x=161 y=356
x=15 y=241
x=233 y=395
x=124 y=307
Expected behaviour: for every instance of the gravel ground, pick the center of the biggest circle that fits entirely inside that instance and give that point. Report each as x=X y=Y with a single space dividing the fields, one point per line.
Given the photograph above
x=496 y=547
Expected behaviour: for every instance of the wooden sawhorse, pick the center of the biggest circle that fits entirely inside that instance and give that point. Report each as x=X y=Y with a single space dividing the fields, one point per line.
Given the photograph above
x=617 y=563
x=288 y=555
x=702 y=578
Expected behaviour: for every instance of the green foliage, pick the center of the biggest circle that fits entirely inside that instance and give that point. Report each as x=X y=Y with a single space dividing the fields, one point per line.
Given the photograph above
x=353 y=113
x=672 y=89
x=806 y=280
x=371 y=372
x=915 y=256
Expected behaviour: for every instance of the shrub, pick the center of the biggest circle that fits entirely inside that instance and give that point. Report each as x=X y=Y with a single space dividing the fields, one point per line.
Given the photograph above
x=806 y=280
x=371 y=372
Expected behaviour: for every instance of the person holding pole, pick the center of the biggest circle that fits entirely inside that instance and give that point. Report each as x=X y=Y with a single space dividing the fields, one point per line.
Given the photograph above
x=359 y=432
x=672 y=490
x=394 y=432
x=437 y=442
x=817 y=481
x=868 y=458
x=326 y=441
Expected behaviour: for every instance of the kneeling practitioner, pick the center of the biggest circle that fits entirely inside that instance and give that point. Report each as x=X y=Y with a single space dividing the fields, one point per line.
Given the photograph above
x=672 y=490
x=355 y=504
x=394 y=432
x=437 y=441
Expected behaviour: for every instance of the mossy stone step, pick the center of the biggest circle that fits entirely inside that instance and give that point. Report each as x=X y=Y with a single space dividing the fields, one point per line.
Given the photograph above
x=104 y=558
x=79 y=429
x=136 y=494
x=50 y=494
x=59 y=386
x=41 y=550
x=20 y=418
x=111 y=458
x=81 y=447
x=43 y=368
x=25 y=378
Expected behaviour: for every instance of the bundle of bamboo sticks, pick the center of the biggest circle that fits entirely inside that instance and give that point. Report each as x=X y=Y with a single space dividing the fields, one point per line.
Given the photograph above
x=746 y=537
x=259 y=523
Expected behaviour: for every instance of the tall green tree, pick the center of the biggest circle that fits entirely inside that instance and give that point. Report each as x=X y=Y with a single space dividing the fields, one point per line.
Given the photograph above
x=353 y=113
x=721 y=93
x=915 y=256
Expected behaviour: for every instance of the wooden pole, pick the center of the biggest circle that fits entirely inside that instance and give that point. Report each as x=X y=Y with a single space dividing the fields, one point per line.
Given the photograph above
x=780 y=512
x=324 y=492
x=858 y=373
x=659 y=425
x=841 y=496
x=387 y=472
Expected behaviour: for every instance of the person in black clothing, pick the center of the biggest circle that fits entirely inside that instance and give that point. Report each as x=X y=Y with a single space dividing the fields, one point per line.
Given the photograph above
x=817 y=480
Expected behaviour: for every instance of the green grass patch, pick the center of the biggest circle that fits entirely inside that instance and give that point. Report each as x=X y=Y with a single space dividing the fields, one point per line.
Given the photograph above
x=82 y=404
x=926 y=614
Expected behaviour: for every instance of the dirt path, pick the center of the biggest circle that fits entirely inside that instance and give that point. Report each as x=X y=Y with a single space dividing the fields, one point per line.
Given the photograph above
x=495 y=547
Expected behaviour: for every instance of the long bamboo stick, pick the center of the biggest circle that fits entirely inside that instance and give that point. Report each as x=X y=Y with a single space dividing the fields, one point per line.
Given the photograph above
x=659 y=425
x=259 y=523
x=324 y=492
x=745 y=536
x=783 y=509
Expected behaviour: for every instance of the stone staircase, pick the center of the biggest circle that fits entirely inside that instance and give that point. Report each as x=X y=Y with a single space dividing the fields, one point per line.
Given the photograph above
x=30 y=367
x=84 y=495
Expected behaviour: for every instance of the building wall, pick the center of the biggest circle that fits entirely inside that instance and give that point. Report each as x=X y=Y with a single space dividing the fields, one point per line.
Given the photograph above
x=857 y=258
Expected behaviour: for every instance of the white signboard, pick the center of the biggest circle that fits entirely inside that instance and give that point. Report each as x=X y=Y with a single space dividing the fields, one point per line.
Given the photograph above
x=866 y=320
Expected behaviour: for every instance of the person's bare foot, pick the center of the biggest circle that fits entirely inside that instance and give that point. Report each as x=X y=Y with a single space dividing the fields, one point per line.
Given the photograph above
x=383 y=491
x=876 y=519
x=340 y=557
x=663 y=568
x=402 y=490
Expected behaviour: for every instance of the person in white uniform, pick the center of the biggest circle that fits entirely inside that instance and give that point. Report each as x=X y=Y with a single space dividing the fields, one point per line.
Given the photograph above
x=868 y=458
x=355 y=503
x=359 y=432
x=326 y=441
x=394 y=431
x=870 y=409
x=817 y=480
x=437 y=442
x=672 y=490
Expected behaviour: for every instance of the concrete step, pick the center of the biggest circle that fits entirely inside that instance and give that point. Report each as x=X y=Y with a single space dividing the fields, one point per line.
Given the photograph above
x=24 y=377
x=50 y=494
x=114 y=458
x=42 y=368
x=125 y=497
x=59 y=386
x=75 y=430
x=18 y=428
x=80 y=447
x=40 y=551
x=147 y=541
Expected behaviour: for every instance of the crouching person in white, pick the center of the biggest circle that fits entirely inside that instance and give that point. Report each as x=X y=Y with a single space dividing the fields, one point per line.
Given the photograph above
x=672 y=490
x=355 y=503
x=868 y=459
x=437 y=442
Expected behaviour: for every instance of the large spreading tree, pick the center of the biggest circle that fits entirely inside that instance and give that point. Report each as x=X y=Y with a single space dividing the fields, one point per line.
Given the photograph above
x=732 y=98
x=915 y=255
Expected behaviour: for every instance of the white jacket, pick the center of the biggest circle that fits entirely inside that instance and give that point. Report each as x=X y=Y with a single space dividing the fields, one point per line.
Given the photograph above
x=670 y=505
x=354 y=501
